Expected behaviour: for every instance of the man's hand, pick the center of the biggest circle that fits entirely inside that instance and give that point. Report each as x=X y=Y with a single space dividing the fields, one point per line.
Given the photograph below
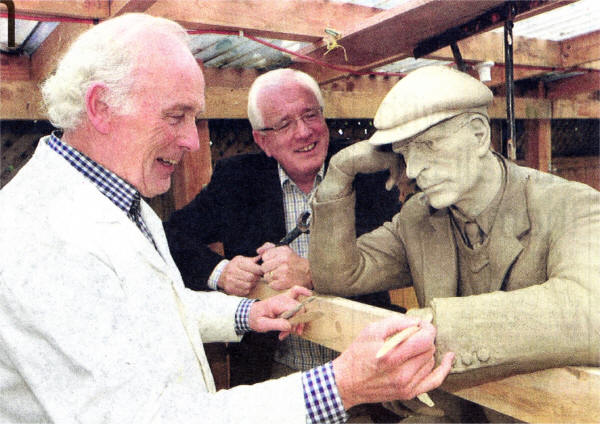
x=358 y=158
x=263 y=314
x=403 y=373
x=283 y=268
x=240 y=275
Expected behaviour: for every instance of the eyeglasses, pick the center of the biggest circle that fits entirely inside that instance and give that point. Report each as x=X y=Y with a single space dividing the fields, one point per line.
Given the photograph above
x=310 y=118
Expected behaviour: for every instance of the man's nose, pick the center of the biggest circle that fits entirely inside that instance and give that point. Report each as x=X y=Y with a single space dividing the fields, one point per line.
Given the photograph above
x=302 y=128
x=190 y=139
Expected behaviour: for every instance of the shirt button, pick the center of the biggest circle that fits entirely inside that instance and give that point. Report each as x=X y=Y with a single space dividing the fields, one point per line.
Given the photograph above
x=483 y=355
x=466 y=359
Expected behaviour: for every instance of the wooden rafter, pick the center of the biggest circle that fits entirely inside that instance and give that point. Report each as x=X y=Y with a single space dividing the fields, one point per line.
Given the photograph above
x=83 y=9
x=119 y=7
x=298 y=20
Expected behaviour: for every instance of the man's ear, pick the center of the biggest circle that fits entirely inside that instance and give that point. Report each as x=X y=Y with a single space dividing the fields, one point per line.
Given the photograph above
x=261 y=140
x=481 y=130
x=98 y=111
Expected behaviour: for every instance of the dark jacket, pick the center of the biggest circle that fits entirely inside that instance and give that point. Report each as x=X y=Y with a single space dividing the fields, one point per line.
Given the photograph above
x=242 y=207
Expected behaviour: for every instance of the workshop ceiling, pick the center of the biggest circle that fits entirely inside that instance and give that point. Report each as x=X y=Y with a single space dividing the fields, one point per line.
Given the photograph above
x=555 y=41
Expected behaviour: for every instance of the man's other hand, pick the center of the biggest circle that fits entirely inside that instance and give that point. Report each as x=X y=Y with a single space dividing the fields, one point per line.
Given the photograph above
x=240 y=275
x=283 y=268
x=403 y=373
x=264 y=314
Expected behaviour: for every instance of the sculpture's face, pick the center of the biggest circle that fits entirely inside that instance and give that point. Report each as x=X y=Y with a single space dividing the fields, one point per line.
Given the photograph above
x=299 y=137
x=445 y=161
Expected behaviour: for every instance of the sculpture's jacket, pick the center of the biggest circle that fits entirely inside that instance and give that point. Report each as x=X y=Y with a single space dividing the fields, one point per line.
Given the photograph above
x=542 y=308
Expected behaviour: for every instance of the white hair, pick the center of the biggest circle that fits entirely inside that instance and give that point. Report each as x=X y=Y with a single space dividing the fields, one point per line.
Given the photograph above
x=277 y=77
x=105 y=53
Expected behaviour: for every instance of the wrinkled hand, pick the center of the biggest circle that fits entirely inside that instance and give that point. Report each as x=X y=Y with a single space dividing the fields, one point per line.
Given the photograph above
x=263 y=314
x=283 y=268
x=240 y=275
x=403 y=373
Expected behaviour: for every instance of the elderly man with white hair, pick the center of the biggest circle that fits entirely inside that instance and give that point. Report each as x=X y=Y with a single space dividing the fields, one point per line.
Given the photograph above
x=95 y=322
x=505 y=260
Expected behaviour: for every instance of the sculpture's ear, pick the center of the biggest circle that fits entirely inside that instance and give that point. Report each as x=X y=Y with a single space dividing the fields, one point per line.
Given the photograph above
x=480 y=128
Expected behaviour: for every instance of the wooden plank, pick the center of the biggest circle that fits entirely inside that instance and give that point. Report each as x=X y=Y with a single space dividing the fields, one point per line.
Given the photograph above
x=575 y=109
x=14 y=68
x=556 y=395
x=194 y=171
x=84 y=9
x=120 y=7
x=398 y=30
x=20 y=100
x=580 y=50
x=47 y=55
x=490 y=46
x=569 y=87
x=559 y=395
x=229 y=77
x=343 y=319
x=289 y=20
x=539 y=144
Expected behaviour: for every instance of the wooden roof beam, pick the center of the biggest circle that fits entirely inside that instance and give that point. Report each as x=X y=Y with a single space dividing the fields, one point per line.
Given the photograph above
x=570 y=87
x=120 y=7
x=83 y=9
x=298 y=20
x=580 y=50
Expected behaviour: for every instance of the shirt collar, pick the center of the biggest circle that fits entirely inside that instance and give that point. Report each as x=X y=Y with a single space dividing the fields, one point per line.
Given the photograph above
x=284 y=178
x=119 y=191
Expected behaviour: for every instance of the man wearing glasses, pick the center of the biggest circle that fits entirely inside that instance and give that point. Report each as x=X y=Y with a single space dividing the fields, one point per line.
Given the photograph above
x=253 y=200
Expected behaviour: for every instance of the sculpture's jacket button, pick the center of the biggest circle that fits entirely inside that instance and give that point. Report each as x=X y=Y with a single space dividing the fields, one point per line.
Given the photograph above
x=483 y=355
x=466 y=359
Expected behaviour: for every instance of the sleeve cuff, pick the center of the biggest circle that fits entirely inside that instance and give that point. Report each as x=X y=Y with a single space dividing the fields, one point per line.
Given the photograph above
x=242 y=316
x=321 y=396
x=216 y=274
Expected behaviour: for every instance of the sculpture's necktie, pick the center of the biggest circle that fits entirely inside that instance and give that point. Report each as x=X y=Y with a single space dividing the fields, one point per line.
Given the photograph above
x=473 y=234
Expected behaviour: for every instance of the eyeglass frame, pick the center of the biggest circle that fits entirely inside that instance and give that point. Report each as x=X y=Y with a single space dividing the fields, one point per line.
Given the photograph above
x=431 y=144
x=318 y=110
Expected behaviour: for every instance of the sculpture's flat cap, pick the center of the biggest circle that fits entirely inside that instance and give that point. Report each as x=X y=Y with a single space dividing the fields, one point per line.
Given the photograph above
x=425 y=97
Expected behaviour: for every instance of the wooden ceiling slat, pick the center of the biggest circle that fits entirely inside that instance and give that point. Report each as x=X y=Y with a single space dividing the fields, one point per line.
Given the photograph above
x=581 y=50
x=298 y=20
x=120 y=7
x=398 y=30
x=84 y=9
x=570 y=87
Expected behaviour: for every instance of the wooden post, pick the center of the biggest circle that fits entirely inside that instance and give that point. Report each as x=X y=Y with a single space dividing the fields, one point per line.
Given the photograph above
x=539 y=144
x=194 y=171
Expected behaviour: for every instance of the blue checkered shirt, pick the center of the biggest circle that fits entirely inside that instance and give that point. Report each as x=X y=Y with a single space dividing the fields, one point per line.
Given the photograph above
x=128 y=199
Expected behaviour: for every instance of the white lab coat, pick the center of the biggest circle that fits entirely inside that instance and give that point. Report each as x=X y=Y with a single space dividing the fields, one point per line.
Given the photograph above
x=96 y=325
